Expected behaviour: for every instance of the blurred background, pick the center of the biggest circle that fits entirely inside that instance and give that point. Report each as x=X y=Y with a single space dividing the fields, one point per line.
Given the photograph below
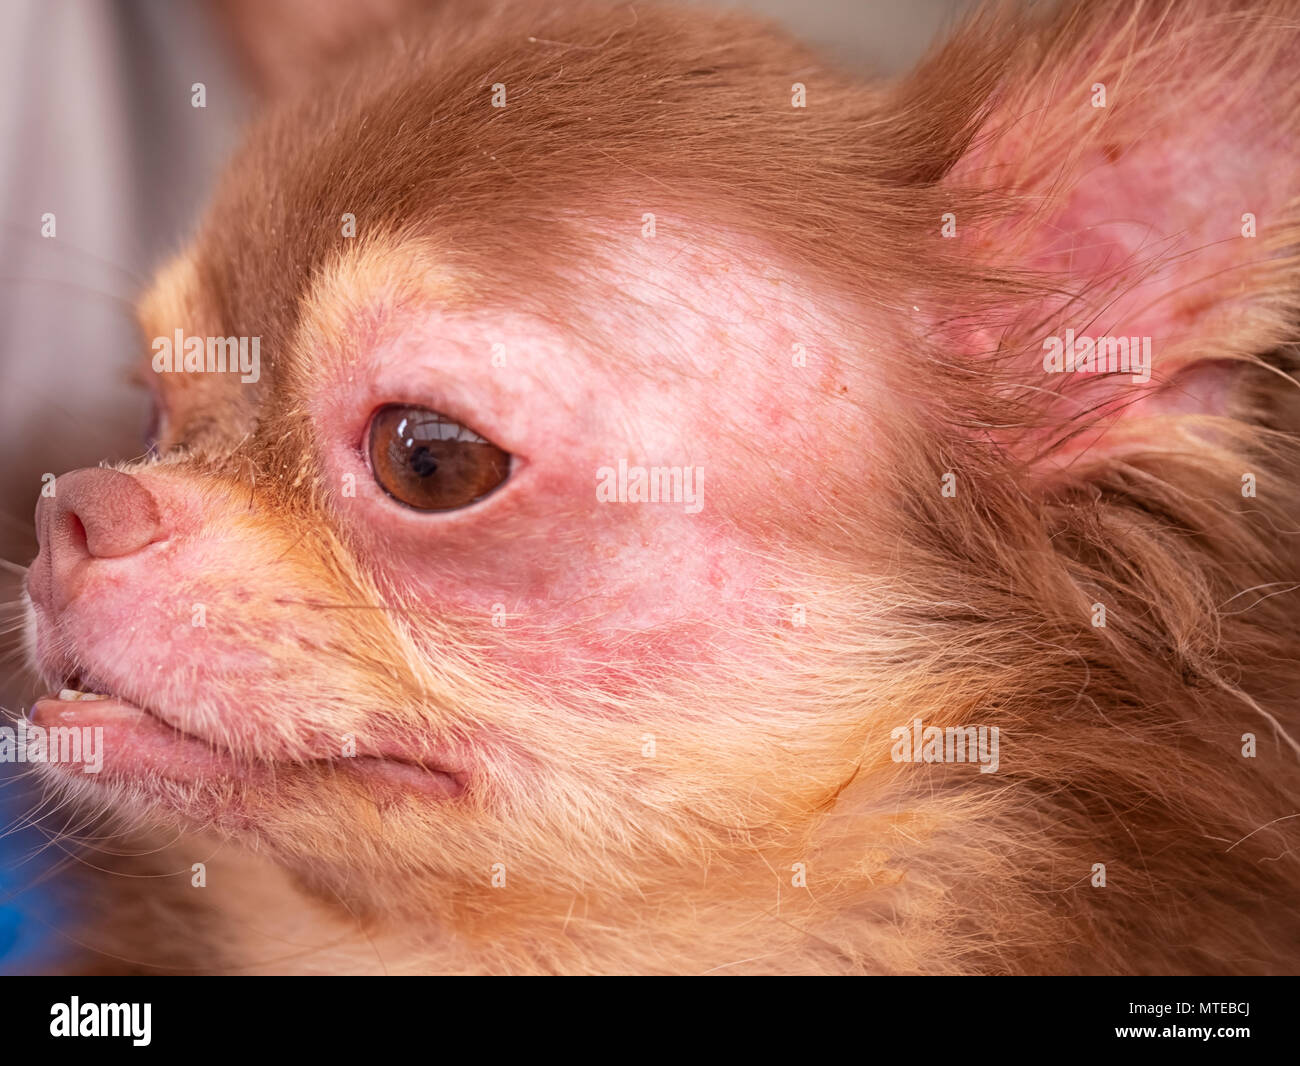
x=104 y=166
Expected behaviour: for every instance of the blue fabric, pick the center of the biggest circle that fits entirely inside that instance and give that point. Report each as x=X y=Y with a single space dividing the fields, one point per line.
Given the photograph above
x=30 y=909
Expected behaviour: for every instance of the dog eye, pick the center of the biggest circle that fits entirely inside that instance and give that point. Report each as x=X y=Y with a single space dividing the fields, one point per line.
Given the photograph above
x=428 y=461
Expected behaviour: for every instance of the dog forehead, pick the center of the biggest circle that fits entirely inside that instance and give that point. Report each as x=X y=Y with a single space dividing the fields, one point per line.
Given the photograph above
x=708 y=312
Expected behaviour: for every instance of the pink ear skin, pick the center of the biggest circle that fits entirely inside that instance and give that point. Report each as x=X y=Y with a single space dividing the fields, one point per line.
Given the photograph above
x=1146 y=180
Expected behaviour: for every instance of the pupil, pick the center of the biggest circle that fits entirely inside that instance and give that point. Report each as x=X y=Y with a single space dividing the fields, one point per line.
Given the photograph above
x=422 y=462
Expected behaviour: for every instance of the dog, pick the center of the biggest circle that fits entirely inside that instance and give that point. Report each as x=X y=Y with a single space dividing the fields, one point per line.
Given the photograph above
x=629 y=497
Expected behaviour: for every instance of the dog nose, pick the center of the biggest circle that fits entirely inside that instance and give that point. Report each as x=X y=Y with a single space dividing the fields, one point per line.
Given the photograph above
x=93 y=514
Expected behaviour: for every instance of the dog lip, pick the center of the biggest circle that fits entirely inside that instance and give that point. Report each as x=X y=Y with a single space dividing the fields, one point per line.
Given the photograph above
x=89 y=683
x=138 y=744
x=393 y=763
x=402 y=774
x=416 y=759
x=439 y=765
x=112 y=697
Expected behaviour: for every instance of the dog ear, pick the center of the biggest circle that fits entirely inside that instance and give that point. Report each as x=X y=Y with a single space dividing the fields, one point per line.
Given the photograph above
x=282 y=43
x=1129 y=192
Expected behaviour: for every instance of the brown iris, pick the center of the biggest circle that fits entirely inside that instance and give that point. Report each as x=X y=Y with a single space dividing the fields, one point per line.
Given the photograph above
x=428 y=461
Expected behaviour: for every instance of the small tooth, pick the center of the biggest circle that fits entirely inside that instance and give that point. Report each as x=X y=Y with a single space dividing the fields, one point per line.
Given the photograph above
x=71 y=695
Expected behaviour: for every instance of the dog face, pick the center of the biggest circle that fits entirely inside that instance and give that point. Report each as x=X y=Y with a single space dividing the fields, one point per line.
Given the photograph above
x=484 y=577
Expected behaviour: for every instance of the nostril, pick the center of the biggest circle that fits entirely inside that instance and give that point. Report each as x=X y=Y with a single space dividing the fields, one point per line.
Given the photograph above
x=74 y=531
